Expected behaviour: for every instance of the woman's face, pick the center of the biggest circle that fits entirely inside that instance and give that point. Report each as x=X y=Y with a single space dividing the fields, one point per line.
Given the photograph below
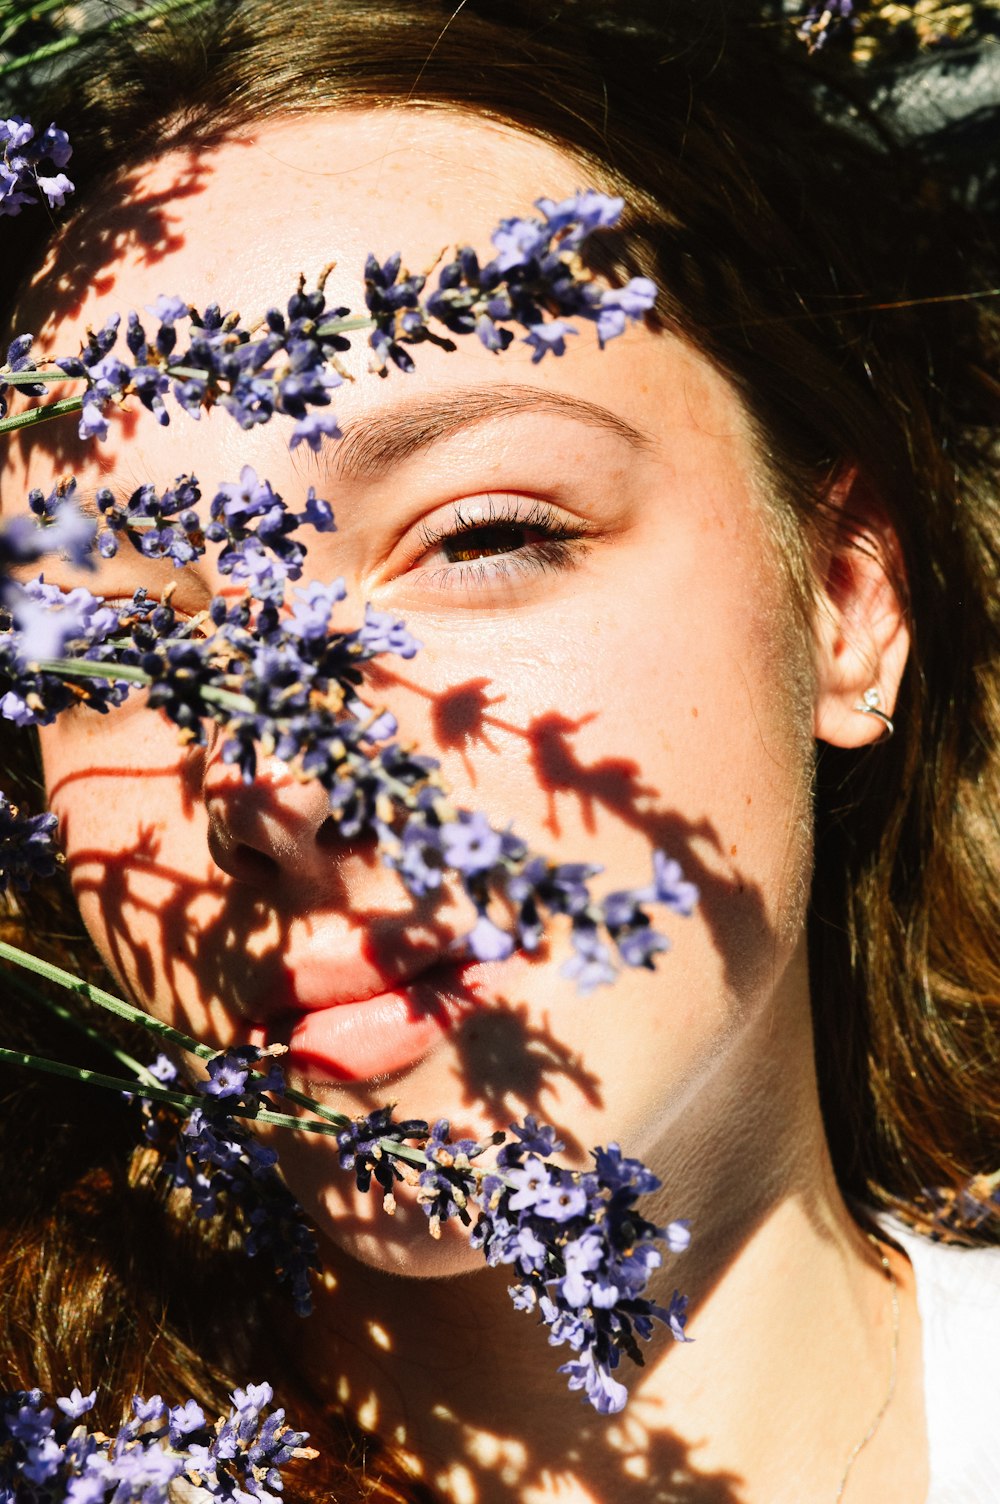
x=615 y=669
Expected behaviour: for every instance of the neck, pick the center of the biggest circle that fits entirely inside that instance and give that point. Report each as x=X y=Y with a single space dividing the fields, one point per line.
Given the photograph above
x=790 y=1317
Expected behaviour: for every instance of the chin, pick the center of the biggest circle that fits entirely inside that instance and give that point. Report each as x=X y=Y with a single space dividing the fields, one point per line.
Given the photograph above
x=356 y=1222
x=400 y=1243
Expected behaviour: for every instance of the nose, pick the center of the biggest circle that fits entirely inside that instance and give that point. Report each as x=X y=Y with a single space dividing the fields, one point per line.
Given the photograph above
x=275 y=830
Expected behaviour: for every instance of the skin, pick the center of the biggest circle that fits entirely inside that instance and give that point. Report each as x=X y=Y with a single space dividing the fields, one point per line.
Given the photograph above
x=653 y=685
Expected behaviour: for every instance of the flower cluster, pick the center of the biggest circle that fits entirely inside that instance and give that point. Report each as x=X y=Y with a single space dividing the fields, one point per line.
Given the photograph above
x=370 y=1148
x=49 y=1454
x=56 y=525
x=248 y=522
x=213 y=1154
x=580 y=1253
x=290 y=364
x=288 y=368
x=824 y=20
x=27 y=846
x=536 y=281
x=27 y=165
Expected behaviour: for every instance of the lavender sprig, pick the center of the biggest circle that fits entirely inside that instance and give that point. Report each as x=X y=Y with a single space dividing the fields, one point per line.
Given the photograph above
x=531 y=1213
x=535 y=281
x=291 y=363
x=48 y=1454
x=213 y=1155
x=581 y=1254
x=23 y=165
x=825 y=20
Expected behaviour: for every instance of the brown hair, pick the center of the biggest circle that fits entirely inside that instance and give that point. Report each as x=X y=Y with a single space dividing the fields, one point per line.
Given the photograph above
x=816 y=264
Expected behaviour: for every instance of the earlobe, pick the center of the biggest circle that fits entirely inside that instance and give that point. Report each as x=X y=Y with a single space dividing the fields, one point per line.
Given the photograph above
x=861 y=634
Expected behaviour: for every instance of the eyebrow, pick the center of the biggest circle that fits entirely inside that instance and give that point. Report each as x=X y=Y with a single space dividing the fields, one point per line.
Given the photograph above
x=375 y=444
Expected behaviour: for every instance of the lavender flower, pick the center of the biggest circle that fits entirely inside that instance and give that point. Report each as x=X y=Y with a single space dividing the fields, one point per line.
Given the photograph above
x=56 y=526
x=213 y=1155
x=824 y=21
x=582 y=1256
x=286 y=682
x=365 y=1148
x=47 y=1455
x=580 y=1252
x=27 y=846
x=24 y=156
x=536 y=281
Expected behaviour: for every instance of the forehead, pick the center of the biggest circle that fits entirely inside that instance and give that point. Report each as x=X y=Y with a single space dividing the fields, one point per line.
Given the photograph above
x=237 y=222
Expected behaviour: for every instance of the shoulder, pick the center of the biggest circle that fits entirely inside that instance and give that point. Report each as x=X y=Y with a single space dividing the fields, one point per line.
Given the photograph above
x=958 y=1297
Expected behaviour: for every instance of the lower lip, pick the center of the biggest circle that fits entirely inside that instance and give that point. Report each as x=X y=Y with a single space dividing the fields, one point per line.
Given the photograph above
x=386 y=1034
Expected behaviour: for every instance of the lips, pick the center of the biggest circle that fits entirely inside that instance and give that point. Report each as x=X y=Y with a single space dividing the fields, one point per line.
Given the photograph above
x=384 y=1028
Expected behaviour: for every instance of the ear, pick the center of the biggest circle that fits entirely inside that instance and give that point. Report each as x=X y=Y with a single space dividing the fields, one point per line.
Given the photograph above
x=860 y=632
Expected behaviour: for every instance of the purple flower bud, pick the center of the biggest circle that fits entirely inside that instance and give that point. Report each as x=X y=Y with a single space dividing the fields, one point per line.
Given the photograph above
x=487 y=942
x=548 y=338
x=313 y=429
x=317 y=513
x=168 y=310
x=77 y=1404
x=470 y=844
x=56 y=189
x=54 y=144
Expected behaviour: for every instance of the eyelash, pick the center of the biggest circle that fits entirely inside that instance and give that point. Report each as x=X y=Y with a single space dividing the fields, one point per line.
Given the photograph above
x=553 y=550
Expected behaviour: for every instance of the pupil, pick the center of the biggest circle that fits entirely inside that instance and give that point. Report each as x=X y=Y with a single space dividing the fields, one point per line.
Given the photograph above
x=480 y=542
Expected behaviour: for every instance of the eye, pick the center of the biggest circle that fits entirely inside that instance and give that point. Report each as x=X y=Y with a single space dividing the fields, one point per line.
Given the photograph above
x=489 y=540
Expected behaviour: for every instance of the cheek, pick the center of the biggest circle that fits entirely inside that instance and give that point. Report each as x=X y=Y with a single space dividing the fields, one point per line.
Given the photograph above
x=133 y=831
x=119 y=783
x=650 y=706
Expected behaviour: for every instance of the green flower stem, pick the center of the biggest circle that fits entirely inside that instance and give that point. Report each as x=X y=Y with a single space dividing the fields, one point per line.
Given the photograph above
x=340 y=1119
x=345 y=326
x=77 y=38
x=33 y=12
x=406 y=1152
x=286 y=1120
x=97 y=1078
x=142 y=1072
x=185 y=1101
x=27 y=378
x=88 y=668
x=41 y=414
x=118 y=1005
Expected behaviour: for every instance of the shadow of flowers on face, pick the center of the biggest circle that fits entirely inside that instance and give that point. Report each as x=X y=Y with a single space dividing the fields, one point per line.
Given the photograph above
x=510 y=1064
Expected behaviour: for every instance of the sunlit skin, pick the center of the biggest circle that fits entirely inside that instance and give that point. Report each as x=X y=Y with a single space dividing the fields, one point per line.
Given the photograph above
x=644 y=681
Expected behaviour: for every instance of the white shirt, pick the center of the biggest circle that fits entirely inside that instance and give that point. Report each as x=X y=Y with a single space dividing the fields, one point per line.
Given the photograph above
x=958 y=1297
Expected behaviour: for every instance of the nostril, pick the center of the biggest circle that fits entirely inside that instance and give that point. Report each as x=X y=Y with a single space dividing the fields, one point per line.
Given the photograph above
x=245 y=863
x=254 y=866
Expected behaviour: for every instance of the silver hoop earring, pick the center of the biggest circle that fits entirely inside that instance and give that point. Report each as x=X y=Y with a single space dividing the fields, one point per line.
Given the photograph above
x=870 y=706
